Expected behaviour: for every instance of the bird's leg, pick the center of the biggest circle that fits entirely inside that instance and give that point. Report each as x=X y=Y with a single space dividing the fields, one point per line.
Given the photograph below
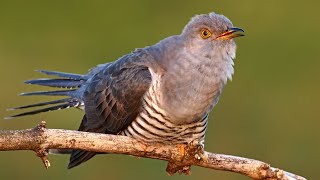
x=177 y=162
x=181 y=149
x=195 y=151
x=187 y=155
x=197 y=147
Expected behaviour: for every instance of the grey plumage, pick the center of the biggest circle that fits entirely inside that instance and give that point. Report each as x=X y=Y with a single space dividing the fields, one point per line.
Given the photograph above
x=161 y=93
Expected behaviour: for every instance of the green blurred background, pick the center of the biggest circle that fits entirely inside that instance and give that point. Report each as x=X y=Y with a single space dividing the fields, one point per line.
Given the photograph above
x=270 y=111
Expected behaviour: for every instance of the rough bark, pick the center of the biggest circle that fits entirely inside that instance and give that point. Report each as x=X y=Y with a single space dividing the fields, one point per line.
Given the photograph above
x=180 y=157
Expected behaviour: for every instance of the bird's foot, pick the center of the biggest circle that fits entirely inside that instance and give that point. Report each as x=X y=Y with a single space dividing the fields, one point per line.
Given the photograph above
x=196 y=148
x=181 y=149
x=186 y=155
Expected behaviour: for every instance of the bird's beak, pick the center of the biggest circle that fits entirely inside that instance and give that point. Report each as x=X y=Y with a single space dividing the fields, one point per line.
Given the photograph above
x=231 y=33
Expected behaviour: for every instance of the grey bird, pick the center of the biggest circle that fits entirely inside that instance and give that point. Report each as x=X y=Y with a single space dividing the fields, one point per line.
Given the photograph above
x=161 y=93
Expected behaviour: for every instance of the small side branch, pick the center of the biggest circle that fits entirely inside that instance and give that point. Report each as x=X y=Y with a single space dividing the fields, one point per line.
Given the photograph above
x=180 y=157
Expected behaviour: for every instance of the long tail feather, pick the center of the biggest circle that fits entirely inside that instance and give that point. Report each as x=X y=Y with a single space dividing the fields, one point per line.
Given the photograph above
x=60 y=151
x=59 y=83
x=43 y=104
x=64 y=75
x=53 y=108
x=68 y=80
x=49 y=93
x=77 y=157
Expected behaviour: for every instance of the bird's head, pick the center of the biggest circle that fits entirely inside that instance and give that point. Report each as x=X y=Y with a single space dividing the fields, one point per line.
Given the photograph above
x=207 y=32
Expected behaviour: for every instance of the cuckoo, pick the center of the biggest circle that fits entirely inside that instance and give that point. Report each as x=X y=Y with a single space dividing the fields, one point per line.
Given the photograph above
x=161 y=93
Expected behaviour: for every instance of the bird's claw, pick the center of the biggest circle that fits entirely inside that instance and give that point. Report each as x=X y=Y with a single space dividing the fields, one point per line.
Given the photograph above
x=196 y=147
x=186 y=154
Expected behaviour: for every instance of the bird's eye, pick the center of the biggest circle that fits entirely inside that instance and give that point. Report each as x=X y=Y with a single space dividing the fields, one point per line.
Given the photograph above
x=205 y=33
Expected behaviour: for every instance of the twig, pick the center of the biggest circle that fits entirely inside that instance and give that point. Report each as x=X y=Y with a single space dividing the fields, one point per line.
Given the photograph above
x=180 y=157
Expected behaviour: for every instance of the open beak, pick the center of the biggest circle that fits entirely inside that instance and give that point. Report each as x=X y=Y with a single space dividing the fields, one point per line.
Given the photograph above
x=231 y=33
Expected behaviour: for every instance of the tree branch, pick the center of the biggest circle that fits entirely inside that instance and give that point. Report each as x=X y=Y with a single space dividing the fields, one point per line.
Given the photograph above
x=179 y=157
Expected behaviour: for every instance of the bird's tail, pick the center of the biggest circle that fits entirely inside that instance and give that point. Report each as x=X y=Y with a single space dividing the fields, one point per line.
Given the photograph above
x=71 y=82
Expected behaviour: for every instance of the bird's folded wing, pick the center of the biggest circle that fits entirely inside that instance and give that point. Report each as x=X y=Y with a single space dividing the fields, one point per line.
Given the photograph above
x=112 y=99
x=113 y=96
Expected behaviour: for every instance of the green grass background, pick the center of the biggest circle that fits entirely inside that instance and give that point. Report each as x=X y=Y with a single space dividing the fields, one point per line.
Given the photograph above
x=270 y=111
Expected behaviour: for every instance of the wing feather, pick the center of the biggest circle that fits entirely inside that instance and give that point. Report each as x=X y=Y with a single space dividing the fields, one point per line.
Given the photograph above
x=113 y=99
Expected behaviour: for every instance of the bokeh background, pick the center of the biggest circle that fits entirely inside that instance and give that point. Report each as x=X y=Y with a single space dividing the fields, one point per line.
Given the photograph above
x=270 y=111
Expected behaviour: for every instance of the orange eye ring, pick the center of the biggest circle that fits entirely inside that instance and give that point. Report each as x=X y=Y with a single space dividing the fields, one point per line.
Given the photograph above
x=205 y=33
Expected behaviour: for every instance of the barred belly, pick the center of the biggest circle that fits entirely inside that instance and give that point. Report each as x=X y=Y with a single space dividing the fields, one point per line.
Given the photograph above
x=152 y=125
